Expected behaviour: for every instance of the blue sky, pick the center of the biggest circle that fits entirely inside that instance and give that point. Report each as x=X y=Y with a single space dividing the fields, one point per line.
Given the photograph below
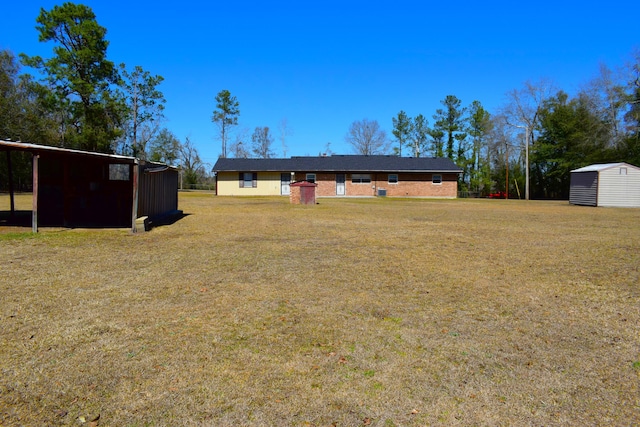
x=324 y=64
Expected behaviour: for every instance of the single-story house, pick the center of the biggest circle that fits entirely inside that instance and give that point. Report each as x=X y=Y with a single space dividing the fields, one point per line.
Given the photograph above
x=610 y=184
x=73 y=188
x=339 y=176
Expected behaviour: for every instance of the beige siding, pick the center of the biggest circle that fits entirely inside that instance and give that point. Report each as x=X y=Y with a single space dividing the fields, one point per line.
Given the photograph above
x=619 y=190
x=268 y=184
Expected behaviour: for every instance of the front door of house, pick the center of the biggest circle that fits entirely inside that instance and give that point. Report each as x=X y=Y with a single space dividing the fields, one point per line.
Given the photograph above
x=285 y=184
x=340 y=179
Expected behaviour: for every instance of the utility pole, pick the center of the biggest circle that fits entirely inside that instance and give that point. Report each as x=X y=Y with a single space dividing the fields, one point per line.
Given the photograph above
x=506 y=182
x=526 y=159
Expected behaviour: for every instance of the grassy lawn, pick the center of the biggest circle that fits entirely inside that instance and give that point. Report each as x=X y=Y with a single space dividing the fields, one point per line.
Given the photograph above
x=381 y=312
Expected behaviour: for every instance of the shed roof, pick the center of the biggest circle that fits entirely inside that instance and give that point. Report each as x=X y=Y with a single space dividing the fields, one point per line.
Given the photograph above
x=304 y=184
x=36 y=148
x=603 y=166
x=339 y=163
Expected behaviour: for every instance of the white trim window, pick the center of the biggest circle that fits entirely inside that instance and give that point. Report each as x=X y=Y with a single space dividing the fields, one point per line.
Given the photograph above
x=436 y=179
x=360 y=178
x=311 y=177
x=393 y=178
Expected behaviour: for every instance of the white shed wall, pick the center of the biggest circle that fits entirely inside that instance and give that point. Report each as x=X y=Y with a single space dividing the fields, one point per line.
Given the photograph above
x=616 y=190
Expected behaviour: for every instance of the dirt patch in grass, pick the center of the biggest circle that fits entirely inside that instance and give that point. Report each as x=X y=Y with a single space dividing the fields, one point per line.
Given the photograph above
x=385 y=312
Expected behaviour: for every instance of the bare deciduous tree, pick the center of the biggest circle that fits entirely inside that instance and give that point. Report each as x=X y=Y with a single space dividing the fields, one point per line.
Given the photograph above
x=605 y=96
x=284 y=131
x=523 y=106
x=262 y=141
x=366 y=137
x=190 y=162
x=240 y=146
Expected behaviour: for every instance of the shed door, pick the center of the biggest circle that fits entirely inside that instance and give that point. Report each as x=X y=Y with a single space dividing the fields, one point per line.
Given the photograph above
x=285 y=184
x=340 y=179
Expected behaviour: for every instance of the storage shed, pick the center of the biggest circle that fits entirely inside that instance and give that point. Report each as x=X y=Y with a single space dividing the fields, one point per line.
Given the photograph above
x=303 y=193
x=610 y=184
x=73 y=188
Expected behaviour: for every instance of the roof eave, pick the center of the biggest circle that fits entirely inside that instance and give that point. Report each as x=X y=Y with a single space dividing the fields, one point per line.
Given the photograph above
x=36 y=148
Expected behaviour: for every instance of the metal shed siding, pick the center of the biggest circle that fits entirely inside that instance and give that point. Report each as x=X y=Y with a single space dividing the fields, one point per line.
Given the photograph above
x=157 y=191
x=617 y=190
x=584 y=188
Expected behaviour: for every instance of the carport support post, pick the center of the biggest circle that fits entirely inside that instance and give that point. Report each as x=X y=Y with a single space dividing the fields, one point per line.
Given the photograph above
x=11 y=195
x=34 y=211
x=134 y=204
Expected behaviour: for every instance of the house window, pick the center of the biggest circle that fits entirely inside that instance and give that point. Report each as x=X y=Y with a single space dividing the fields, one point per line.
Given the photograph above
x=623 y=171
x=393 y=178
x=118 y=172
x=248 y=179
x=311 y=177
x=360 y=178
x=436 y=179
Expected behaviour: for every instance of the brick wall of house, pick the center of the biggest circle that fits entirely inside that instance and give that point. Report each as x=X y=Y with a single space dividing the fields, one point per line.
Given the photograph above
x=326 y=184
x=409 y=185
x=446 y=189
x=360 y=189
x=421 y=185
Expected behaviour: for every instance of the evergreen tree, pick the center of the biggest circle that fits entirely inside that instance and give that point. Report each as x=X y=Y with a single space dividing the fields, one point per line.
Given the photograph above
x=165 y=148
x=225 y=116
x=402 y=129
x=145 y=104
x=81 y=78
x=450 y=121
x=571 y=136
x=419 y=134
x=478 y=127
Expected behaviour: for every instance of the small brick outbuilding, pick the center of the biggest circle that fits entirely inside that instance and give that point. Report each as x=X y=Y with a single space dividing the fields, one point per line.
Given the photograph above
x=303 y=193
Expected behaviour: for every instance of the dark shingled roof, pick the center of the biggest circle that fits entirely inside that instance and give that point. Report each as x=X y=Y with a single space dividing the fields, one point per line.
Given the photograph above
x=339 y=163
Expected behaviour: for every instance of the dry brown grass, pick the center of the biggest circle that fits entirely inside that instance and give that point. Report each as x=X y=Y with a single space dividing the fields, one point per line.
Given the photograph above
x=360 y=312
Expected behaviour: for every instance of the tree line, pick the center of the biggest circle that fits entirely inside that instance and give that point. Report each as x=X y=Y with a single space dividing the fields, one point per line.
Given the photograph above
x=600 y=124
x=82 y=100
x=242 y=143
x=540 y=128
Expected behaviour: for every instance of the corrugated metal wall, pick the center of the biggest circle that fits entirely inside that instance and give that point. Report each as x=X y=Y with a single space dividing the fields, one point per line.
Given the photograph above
x=584 y=188
x=157 y=190
x=619 y=186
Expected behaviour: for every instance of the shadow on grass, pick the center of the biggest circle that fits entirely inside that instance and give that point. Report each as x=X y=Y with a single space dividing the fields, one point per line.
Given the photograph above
x=22 y=219
x=15 y=219
x=167 y=219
